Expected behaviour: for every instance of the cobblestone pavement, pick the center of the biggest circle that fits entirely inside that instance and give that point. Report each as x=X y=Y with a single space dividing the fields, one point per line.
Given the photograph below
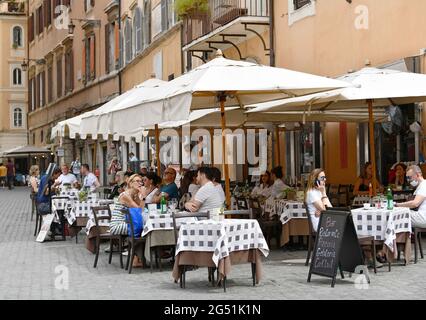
x=31 y=270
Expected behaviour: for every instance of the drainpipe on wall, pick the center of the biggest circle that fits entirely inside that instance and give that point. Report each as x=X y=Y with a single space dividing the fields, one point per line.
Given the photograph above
x=271 y=33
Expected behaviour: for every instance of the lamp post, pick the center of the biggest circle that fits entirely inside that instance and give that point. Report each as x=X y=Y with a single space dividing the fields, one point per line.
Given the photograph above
x=71 y=26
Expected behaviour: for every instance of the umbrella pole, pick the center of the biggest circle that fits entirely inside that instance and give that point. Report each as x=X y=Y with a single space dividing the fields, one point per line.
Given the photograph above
x=157 y=149
x=224 y=154
x=372 y=146
x=278 y=148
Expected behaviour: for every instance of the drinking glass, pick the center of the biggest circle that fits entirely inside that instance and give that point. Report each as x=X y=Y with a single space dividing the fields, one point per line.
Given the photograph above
x=173 y=203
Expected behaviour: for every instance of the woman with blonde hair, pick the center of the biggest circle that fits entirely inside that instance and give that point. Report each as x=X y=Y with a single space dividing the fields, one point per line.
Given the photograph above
x=316 y=198
x=130 y=198
x=34 y=181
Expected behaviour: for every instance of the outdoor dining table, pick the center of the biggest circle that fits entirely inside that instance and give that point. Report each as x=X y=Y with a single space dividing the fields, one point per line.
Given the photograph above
x=359 y=201
x=390 y=226
x=159 y=231
x=220 y=244
x=292 y=215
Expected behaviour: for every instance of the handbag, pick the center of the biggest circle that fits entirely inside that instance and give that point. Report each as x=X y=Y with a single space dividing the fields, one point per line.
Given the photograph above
x=137 y=221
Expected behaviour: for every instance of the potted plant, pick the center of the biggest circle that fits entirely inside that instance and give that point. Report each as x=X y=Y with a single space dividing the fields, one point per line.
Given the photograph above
x=191 y=8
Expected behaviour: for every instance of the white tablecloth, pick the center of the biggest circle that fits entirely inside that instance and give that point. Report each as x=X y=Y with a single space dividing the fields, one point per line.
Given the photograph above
x=381 y=223
x=221 y=237
x=162 y=222
x=360 y=200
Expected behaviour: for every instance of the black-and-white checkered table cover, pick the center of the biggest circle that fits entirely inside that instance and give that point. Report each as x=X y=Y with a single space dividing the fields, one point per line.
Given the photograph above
x=221 y=237
x=162 y=222
x=288 y=210
x=69 y=193
x=381 y=223
x=360 y=200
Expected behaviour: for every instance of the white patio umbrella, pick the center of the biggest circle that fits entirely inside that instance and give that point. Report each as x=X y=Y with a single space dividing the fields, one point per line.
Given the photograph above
x=69 y=127
x=372 y=87
x=228 y=82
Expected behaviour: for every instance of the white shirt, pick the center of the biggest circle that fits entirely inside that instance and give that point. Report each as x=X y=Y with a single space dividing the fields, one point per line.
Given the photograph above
x=90 y=181
x=193 y=189
x=221 y=192
x=209 y=197
x=67 y=179
x=150 y=197
x=262 y=190
x=313 y=196
x=277 y=188
x=133 y=159
x=421 y=191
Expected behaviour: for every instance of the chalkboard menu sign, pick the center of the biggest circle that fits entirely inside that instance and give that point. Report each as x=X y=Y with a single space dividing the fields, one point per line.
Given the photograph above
x=336 y=245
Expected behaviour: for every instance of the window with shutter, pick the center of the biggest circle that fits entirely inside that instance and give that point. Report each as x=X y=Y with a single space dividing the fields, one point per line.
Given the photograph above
x=117 y=44
x=164 y=15
x=30 y=95
x=59 y=77
x=43 y=88
x=300 y=3
x=37 y=92
x=31 y=28
x=49 y=84
x=92 y=58
x=147 y=23
x=128 y=39
x=69 y=78
x=137 y=27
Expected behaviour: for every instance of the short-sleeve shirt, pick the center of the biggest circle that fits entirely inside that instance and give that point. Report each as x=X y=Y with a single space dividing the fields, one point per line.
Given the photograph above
x=67 y=179
x=3 y=171
x=90 y=181
x=313 y=196
x=421 y=191
x=221 y=192
x=209 y=197
x=277 y=188
x=193 y=189
x=10 y=167
x=171 y=189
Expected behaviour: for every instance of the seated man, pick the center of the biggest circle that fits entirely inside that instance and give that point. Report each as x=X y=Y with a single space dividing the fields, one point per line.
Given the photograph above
x=416 y=180
x=66 y=178
x=208 y=198
x=169 y=187
x=90 y=181
x=46 y=191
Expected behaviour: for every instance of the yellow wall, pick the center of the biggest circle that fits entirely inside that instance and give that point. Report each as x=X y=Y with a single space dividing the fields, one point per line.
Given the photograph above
x=330 y=44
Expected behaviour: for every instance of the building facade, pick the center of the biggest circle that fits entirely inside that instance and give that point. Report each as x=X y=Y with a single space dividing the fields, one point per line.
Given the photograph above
x=13 y=79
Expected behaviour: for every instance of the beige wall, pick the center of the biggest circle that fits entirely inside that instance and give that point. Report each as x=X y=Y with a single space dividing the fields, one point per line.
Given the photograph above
x=12 y=96
x=329 y=44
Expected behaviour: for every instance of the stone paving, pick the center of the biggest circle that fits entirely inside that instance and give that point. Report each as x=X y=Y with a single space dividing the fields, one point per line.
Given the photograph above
x=31 y=270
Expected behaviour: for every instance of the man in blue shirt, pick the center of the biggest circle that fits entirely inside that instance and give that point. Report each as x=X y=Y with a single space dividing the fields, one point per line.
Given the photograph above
x=169 y=186
x=43 y=195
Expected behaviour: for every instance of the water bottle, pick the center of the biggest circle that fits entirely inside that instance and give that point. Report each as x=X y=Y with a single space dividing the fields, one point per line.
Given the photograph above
x=389 y=197
x=163 y=203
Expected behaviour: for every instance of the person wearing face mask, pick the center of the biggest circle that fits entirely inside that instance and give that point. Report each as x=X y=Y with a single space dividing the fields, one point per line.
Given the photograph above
x=416 y=180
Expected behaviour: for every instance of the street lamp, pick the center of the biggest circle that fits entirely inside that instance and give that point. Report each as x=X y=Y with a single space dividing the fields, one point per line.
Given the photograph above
x=71 y=26
x=25 y=63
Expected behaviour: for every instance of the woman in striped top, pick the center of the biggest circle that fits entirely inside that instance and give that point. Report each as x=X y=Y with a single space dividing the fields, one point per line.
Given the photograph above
x=131 y=198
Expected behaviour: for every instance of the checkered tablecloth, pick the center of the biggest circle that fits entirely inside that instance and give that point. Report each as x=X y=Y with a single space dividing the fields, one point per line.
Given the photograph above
x=382 y=224
x=69 y=193
x=288 y=210
x=162 y=222
x=360 y=200
x=221 y=237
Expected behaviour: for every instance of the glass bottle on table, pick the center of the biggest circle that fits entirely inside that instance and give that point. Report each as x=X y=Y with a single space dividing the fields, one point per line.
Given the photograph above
x=370 y=193
x=389 y=198
x=163 y=203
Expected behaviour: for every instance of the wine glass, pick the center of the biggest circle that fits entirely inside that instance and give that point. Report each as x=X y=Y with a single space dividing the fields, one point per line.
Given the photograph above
x=173 y=203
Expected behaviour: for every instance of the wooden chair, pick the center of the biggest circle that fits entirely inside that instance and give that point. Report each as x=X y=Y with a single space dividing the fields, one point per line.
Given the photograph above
x=239 y=214
x=104 y=213
x=333 y=195
x=270 y=228
x=133 y=242
x=184 y=268
x=418 y=242
x=343 y=192
x=61 y=215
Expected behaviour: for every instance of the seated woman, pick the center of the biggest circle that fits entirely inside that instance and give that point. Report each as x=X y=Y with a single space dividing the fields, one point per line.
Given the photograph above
x=362 y=184
x=398 y=176
x=130 y=198
x=316 y=197
x=189 y=183
x=34 y=181
x=264 y=188
x=150 y=188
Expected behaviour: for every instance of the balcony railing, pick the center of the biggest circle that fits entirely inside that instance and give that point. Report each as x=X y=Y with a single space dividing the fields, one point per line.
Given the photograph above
x=220 y=13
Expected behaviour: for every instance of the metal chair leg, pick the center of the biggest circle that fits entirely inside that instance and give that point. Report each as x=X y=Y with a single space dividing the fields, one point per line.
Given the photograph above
x=309 y=251
x=132 y=257
x=420 y=244
x=128 y=255
x=416 y=239
x=36 y=224
x=373 y=250
x=151 y=260
x=224 y=284
x=120 y=251
x=97 y=253
x=110 y=250
x=253 y=273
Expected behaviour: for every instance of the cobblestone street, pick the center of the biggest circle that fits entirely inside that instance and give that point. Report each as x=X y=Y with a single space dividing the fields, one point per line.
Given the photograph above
x=29 y=270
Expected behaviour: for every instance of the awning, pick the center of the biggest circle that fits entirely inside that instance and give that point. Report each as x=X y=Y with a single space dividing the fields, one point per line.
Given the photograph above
x=25 y=151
